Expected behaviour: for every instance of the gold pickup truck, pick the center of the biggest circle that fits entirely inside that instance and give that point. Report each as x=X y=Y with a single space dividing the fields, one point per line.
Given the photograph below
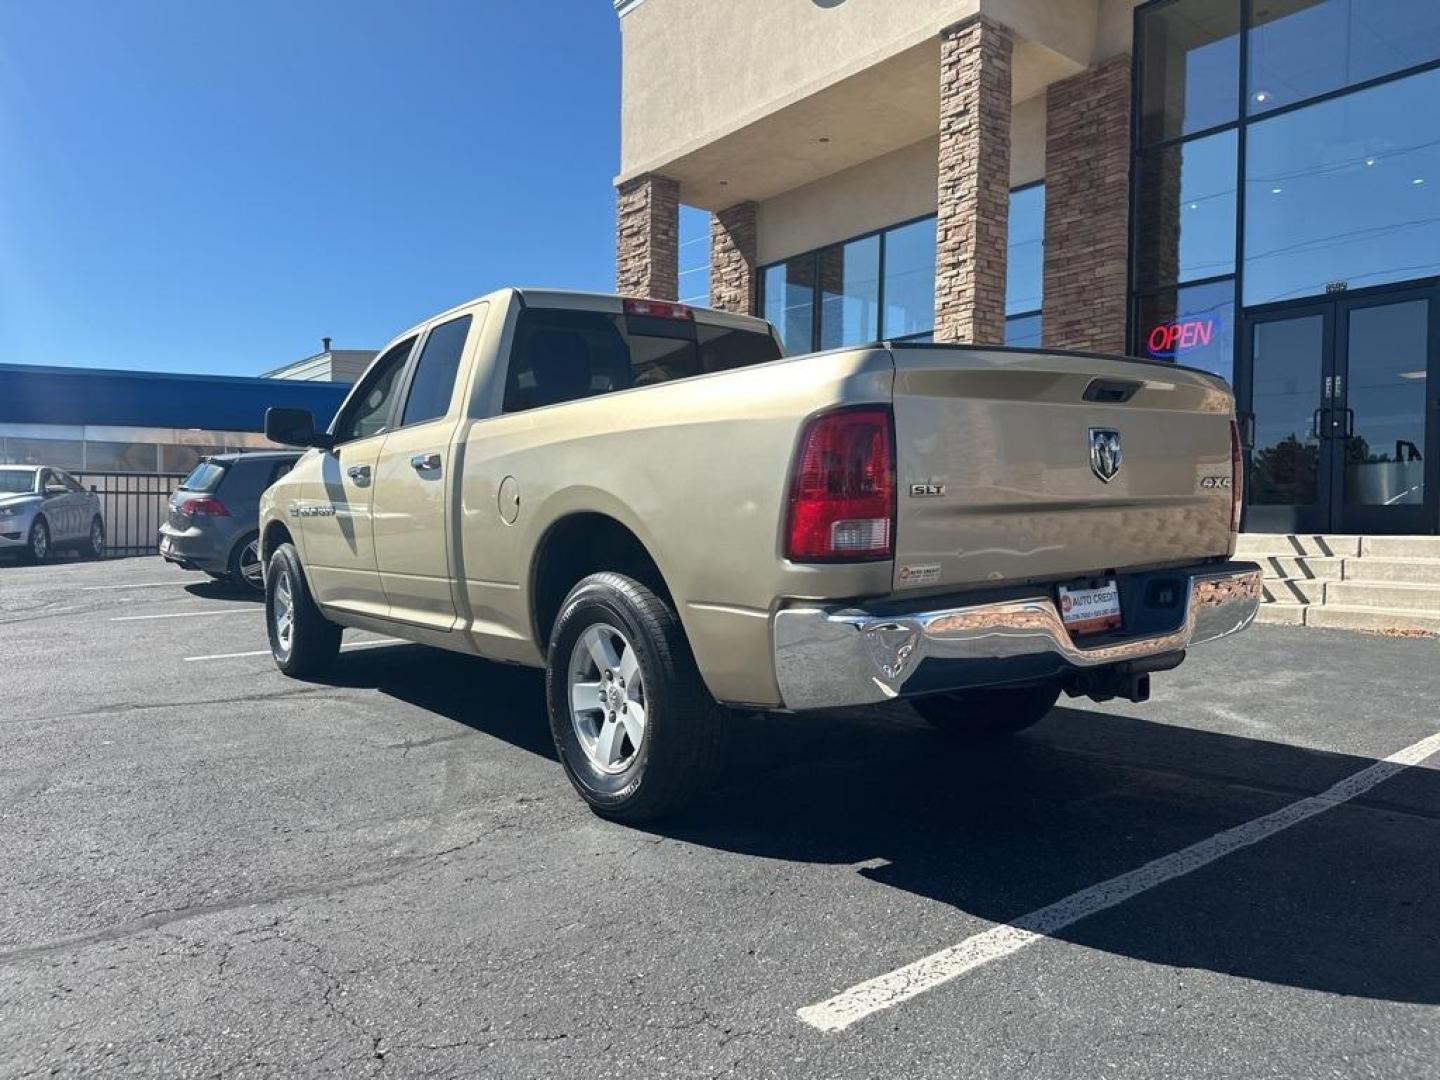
x=675 y=521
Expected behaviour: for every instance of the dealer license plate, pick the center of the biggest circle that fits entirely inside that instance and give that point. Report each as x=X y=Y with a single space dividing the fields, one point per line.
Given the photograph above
x=1090 y=611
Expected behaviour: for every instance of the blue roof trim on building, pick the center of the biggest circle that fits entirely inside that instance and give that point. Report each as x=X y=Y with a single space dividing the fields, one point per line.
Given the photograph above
x=61 y=395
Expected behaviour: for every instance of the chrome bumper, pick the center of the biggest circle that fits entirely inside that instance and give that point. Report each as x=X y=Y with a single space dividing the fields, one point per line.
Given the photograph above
x=827 y=656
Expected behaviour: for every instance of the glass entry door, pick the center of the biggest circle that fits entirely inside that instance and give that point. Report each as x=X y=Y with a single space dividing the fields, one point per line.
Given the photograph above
x=1343 y=399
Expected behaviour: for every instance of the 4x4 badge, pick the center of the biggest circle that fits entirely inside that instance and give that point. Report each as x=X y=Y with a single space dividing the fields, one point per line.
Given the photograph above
x=1105 y=455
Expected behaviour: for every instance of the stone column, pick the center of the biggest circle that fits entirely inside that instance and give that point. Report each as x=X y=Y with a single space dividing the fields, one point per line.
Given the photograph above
x=974 y=196
x=1087 y=208
x=647 y=242
x=732 y=259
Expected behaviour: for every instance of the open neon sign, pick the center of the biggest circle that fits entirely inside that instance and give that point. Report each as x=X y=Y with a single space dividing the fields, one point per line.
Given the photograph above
x=1181 y=336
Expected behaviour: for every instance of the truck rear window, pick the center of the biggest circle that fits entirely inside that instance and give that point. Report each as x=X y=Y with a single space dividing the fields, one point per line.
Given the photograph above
x=204 y=477
x=560 y=355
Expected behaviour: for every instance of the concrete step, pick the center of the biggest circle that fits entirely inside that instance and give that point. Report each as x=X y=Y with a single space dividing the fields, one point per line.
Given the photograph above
x=1253 y=544
x=1380 y=594
x=1314 y=567
x=1293 y=591
x=1281 y=614
x=1402 y=547
x=1341 y=617
x=1408 y=571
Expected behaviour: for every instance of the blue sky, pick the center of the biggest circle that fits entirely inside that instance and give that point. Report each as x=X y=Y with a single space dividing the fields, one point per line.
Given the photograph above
x=213 y=186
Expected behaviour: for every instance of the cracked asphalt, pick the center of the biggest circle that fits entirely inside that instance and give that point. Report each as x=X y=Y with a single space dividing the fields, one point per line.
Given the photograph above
x=211 y=870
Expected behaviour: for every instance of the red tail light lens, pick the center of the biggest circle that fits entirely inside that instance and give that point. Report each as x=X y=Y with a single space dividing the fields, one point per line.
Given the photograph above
x=842 y=492
x=207 y=506
x=1237 y=477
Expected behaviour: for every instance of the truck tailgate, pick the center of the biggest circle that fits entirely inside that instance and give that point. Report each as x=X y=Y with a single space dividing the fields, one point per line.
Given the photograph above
x=995 y=473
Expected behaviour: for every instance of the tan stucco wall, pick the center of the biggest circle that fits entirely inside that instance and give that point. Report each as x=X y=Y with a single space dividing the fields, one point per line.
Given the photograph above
x=696 y=72
x=889 y=189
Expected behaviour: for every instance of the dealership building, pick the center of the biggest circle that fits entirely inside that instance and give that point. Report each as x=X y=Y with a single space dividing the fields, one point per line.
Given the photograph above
x=1247 y=186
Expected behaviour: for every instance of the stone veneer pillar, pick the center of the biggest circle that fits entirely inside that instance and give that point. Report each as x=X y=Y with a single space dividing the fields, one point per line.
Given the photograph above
x=974 y=195
x=1087 y=208
x=732 y=259
x=647 y=242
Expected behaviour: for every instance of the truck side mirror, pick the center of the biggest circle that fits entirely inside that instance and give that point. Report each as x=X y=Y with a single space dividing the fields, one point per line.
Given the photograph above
x=294 y=427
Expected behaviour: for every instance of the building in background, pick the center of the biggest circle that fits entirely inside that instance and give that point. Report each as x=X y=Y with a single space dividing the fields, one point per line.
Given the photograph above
x=328 y=365
x=1247 y=186
x=92 y=421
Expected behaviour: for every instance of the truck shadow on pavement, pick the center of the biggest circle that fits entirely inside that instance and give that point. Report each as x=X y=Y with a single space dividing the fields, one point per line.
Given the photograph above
x=1343 y=903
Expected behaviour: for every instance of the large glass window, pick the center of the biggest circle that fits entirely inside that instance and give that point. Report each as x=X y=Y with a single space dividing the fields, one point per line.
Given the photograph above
x=1185 y=211
x=909 y=279
x=1346 y=190
x=1190 y=70
x=850 y=293
x=1025 y=253
x=368 y=412
x=1299 y=49
x=789 y=301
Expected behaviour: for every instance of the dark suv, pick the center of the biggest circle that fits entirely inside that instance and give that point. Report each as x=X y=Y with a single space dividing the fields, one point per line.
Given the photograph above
x=214 y=517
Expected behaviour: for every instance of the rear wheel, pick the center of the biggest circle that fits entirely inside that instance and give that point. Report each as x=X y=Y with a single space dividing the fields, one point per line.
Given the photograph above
x=95 y=544
x=246 y=569
x=977 y=715
x=636 y=730
x=37 y=545
x=302 y=641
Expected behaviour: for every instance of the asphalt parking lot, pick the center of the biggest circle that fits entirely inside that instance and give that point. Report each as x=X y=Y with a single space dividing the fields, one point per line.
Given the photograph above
x=212 y=870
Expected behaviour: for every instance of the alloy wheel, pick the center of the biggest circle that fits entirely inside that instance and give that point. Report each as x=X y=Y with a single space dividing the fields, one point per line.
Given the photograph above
x=284 y=612
x=252 y=572
x=607 y=698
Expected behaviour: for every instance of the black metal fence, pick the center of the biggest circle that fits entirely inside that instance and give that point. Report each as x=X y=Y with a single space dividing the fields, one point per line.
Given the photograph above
x=134 y=506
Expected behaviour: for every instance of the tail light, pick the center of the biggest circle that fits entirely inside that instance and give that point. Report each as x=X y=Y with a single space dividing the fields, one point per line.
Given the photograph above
x=206 y=506
x=842 y=489
x=1237 y=477
x=659 y=309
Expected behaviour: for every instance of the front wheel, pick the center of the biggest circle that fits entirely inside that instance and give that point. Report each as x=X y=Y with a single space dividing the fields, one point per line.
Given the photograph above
x=637 y=731
x=302 y=641
x=977 y=715
x=37 y=545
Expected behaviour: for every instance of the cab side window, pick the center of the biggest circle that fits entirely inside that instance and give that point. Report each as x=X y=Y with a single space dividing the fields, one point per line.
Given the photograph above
x=434 y=382
x=71 y=483
x=368 y=412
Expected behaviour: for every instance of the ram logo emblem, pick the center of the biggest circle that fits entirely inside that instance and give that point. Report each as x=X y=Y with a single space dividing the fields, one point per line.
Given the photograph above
x=1105 y=455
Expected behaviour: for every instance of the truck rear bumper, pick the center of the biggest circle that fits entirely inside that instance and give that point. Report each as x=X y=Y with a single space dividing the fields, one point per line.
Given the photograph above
x=831 y=656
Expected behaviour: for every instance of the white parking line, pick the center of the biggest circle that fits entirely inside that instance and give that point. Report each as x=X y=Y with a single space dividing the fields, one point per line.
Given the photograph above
x=134 y=585
x=188 y=614
x=886 y=991
x=266 y=652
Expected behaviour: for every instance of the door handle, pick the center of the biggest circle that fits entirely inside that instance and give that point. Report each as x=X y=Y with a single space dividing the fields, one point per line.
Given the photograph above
x=1349 y=424
x=358 y=472
x=425 y=462
x=1315 y=425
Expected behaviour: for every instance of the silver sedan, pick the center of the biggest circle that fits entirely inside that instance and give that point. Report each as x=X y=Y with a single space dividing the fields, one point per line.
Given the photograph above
x=43 y=508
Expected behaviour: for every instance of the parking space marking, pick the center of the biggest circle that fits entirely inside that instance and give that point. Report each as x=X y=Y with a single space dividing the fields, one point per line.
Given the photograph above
x=885 y=991
x=134 y=585
x=188 y=614
x=266 y=652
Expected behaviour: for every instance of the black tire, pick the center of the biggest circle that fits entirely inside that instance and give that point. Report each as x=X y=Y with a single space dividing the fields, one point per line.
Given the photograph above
x=682 y=749
x=95 y=542
x=977 y=715
x=37 y=544
x=239 y=561
x=313 y=641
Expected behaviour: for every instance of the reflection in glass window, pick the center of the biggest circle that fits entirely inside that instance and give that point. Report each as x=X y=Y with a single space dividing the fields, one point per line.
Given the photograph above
x=1191 y=71
x=1194 y=326
x=120 y=456
x=1301 y=48
x=789 y=289
x=1346 y=190
x=850 y=293
x=65 y=453
x=1025 y=254
x=910 y=279
x=1023 y=331
x=1285 y=465
x=1185 y=214
x=694 y=256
